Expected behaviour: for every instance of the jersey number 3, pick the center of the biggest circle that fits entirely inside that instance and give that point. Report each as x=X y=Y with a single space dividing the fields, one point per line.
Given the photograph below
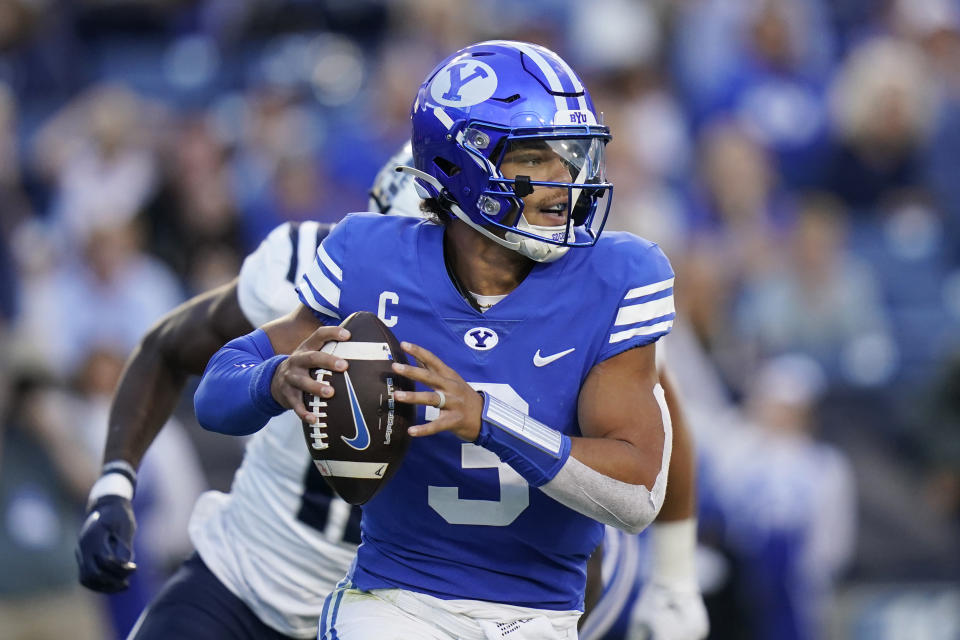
x=514 y=490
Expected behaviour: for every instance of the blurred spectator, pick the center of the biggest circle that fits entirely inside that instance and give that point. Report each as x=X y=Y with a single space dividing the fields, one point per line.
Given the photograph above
x=789 y=502
x=818 y=299
x=938 y=430
x=9 y=285
x=194 y=222
x=13 y=203
x=774 y=95
x=736 y=216
x=716 y=40
x=296 y=193
x=649 y=159
x=737 y=202
x=98 y=153
x=935 y=26
x=446 y=26
x=36 y=47
x=632 y=34
x=278 y=139
x=14 y=207
x=108 y=297
x=42 y=486
x=883 y=108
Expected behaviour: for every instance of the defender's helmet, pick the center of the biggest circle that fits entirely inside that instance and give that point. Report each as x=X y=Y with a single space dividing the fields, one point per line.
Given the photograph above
x=495 y=97
x=393 y=192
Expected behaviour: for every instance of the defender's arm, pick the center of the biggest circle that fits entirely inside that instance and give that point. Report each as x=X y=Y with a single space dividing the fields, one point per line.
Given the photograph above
x=153 y=378
x=680 y=502
x=670 y=605
x=176 y=347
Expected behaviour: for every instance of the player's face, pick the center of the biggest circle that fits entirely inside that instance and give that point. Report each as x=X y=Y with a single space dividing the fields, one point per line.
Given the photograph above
x=545 y=206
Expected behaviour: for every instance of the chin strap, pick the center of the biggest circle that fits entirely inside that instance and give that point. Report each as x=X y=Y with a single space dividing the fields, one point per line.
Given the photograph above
x=536 y=250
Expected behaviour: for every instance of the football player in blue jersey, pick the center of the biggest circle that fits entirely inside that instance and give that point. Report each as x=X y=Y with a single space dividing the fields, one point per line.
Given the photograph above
x=286 y=489
x=557 y=346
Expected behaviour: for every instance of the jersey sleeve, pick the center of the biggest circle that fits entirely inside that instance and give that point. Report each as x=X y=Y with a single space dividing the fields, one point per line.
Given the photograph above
x=266 y=287
x=645 y=310
x=320 y=284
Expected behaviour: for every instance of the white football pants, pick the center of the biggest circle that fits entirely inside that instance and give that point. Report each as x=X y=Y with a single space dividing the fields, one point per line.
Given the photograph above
x=396 y=614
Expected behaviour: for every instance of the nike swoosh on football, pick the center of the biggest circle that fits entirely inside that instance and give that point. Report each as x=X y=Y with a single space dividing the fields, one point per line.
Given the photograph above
x=362 y=440
x=542 y=361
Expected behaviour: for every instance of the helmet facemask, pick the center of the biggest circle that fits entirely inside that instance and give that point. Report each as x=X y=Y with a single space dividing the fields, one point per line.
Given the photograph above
x=547 y=189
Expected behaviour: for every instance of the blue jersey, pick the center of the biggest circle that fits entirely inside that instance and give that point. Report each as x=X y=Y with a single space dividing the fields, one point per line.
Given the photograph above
x=455 y=522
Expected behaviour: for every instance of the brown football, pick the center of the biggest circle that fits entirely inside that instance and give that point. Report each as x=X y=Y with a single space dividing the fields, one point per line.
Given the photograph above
x=361 y=436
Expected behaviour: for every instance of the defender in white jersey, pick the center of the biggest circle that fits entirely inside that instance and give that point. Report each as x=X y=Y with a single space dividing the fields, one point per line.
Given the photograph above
x=279 y=541
x=615 y=474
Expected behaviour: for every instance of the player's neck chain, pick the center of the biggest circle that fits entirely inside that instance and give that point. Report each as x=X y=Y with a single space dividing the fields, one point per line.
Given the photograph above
x=485 y=302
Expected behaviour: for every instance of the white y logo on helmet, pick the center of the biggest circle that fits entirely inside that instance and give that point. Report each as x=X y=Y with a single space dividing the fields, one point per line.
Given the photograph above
x=463 y=83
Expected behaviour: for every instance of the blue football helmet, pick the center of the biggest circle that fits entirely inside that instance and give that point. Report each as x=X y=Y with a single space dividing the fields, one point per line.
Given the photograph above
x=492 y=101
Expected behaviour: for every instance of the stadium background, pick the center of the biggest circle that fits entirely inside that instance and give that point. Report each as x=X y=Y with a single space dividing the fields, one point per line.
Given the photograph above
x=798 y=160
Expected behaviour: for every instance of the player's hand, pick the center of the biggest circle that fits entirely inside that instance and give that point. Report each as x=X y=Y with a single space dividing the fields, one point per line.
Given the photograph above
x=292 y=378
x=105 y=548
x=668 y=613
x=461 y=404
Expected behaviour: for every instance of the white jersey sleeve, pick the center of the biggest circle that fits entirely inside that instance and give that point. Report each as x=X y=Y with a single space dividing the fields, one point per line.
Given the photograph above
x=268 y=276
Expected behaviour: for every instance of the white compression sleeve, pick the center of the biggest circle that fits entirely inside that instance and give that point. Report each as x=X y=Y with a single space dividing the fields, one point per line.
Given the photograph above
x=629 y=507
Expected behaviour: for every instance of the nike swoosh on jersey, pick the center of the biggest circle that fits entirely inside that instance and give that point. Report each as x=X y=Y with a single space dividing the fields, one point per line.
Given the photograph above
x=542 y=361
x=362 y=439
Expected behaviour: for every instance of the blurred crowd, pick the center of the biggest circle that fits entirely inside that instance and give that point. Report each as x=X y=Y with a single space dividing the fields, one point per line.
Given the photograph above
x=798 y=160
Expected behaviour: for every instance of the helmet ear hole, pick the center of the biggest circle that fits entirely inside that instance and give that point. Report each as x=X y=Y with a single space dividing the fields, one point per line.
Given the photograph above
x=448 y=168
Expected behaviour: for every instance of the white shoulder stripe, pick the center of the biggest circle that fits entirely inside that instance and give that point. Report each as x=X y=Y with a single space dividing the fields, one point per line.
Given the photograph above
x=307 y=297
x=645 y=311
x=322 y=285
x=329 y=263
x=327 y=312
x=646 y=290
x=650 y=330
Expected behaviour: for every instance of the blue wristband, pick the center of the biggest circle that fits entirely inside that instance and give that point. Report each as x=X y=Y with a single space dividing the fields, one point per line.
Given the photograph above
x=260 y=386
x=534 y=450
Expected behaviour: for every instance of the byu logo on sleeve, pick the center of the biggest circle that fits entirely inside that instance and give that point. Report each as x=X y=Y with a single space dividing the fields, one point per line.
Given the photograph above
x=463 y=83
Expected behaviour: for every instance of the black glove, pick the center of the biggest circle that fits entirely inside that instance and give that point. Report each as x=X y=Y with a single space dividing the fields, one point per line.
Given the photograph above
x=105 y=548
